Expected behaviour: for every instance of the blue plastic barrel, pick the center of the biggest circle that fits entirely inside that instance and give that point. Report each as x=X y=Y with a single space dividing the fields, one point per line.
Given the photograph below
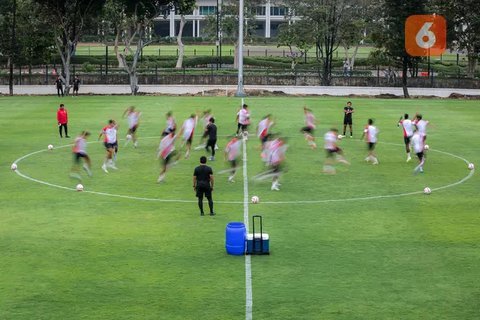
x=235 y=236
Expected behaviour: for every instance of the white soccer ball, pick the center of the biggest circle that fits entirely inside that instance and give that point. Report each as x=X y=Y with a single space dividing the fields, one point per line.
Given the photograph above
x=255 y=199
x=471 y=166
x=426 y=147
x=129 y=137
x=339 y=137
x=427 y=190
x=79 y=187
x=50 y=146
x=13 y=166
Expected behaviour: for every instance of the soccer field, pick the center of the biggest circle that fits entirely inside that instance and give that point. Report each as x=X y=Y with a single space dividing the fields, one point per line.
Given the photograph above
x=365 y=243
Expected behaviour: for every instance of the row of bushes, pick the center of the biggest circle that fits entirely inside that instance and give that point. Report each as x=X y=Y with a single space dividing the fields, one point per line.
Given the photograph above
x=363 y=66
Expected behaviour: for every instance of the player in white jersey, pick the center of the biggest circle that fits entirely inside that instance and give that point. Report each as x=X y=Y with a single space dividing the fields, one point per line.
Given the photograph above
x=370 y=133
x=333 y=152
x=243 y=119
x=171 y=124
x=418 y=148
x=79 y=152
x=274 y=155
x=421 y=126
x=166 y=152
x=308 y=130
x=110 y=141
x=187 y=131
x=263 y=129
x=232 y=152
x=407 y=126
x=133 y=118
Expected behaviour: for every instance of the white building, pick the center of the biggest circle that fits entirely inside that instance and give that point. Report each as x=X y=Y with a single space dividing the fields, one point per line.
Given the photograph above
x=267 y=19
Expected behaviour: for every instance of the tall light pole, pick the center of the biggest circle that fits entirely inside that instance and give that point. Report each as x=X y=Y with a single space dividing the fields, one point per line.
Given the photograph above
x=240 y=92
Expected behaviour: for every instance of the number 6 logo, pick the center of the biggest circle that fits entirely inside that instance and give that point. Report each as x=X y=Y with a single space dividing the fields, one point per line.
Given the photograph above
x=425 y=35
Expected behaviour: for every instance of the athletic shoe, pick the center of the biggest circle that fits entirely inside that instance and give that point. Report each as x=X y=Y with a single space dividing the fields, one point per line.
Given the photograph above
x=212 y=213
x=216 y=147
x=230 y=179
x=211 y=158
x=409 y=158
x=113 y=167
x=75 y=176
x=375 y=162
x=104 y=168
x=87 y=169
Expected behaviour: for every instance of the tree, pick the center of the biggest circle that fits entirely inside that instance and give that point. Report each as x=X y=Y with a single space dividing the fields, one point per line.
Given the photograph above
x=325 y=18
x=359 y=14
x=295 y=35
x=463 y=24
x=391 y=32
x=130 y=20
x=67 y=19
x=24 y=37
x=228 y=23
x=182 y=7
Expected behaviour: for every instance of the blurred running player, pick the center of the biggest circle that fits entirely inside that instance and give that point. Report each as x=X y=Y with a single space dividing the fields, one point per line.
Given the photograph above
x=333 y=152
x=275 y=150
x=232 y=152
x=110 y=141
x=211 y=132
x=419 y=149
x=133 y=119
x=243 y=119
x=421 y=126
x=370 y=132
x=166 y=152
x=308 y=130
x=171 y=124
x=407 y=126
x=79 y=152
x=206 y=115
x=188 y=129
x=263 y=129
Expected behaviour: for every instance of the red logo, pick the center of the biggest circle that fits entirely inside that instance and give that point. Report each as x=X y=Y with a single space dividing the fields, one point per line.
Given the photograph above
x=425 y=35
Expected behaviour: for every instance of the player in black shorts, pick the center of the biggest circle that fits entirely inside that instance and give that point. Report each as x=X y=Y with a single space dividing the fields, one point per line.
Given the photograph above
x=211 y=132
x=203 y=184
x=347 y=119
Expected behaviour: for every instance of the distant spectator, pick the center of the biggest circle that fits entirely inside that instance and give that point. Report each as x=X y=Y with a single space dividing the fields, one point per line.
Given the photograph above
x=346 y=68
x=76 y=85
x=59 y=84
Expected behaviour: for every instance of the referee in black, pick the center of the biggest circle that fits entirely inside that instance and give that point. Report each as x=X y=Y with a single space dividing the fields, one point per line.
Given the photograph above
x=203 y=184
x=347 y=119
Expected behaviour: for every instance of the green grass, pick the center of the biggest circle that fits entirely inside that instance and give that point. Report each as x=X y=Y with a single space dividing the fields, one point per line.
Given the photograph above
x=71 y=255
x=191 y=50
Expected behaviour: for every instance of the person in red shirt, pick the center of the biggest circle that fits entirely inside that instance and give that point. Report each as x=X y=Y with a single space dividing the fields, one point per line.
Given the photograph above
x=62 y=120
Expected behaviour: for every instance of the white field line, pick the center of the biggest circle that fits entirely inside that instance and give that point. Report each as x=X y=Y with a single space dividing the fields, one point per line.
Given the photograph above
x=373 y=197
x=248 y=263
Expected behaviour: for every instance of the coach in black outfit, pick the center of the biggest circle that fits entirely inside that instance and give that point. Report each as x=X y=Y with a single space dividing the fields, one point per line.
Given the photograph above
x=211 y=131
x=203 y=184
